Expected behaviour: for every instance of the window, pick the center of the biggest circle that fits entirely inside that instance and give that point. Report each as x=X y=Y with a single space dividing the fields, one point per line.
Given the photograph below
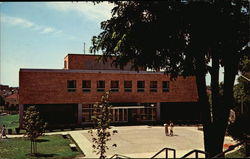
x=153 y=86
x=100 y=86
x=165 y=86
x=71 y=85
x=114 y=86
x=140 y=86
x=128 y=86
x=86 y=85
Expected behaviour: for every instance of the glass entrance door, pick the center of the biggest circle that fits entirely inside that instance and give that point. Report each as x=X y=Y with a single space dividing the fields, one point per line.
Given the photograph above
x=120 y=114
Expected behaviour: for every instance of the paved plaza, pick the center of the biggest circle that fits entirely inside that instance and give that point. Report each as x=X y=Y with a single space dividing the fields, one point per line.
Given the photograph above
x=145 y=141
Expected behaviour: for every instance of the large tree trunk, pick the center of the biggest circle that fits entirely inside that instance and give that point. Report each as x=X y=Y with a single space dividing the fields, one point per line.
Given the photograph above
x=213 y=126
x=216 y=147
x=203 y=102
x=221 y=106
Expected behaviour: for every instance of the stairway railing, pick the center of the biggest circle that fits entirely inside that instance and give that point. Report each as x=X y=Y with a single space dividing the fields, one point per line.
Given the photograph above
x=165 y=150
x=196 y=153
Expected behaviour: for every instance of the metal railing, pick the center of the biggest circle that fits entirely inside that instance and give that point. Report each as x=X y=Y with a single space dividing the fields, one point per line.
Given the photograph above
x=196 y=153
x=165 y=150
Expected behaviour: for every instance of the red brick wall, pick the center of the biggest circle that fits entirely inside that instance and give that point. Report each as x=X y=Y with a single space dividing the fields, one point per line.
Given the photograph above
x=89 y=62
x=66 y=62
x=50 y=87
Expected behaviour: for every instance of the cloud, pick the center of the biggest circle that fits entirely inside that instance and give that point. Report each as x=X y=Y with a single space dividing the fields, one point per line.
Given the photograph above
x=15 y=21
x=97 y=12
x=48 y=30
x=24 y=23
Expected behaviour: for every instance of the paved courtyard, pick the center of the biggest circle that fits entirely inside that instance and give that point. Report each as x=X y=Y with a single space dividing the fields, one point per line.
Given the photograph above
x=145 y=141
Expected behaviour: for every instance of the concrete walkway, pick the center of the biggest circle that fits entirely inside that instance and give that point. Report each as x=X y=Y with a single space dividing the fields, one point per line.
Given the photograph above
x=143 y=141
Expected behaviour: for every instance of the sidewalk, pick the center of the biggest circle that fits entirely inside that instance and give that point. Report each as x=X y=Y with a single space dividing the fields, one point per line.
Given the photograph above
x=142 y=141
x=81 y=141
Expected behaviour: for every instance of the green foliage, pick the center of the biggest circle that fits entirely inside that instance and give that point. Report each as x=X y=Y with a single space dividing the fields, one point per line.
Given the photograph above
x=10 y=121
x=241 y=90
x=52 y=145
x=34 y=126
x=240 y=128
x=102 y=118
x=162 y=34
x=181 y=38
x=237 y=154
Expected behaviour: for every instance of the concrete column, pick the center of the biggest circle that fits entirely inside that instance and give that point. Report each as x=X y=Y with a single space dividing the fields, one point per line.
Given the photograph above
x=79 y=120
x=20 y=115
x=158 y=111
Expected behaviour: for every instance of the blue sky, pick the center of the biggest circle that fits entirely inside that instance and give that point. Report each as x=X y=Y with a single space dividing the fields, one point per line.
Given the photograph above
x=41 y=34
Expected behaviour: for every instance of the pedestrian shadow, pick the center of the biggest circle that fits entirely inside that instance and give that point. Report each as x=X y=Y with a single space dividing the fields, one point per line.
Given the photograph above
x=173 y=135
x=42 y=155
x=42 y=140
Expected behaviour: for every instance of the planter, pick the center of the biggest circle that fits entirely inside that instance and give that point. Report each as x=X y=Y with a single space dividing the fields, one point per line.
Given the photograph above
x=10 y=131
x=17 y=130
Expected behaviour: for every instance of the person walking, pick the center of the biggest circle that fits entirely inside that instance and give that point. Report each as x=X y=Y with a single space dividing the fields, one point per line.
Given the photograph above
x=166 y=129
x=3 y=132
x=171 y=125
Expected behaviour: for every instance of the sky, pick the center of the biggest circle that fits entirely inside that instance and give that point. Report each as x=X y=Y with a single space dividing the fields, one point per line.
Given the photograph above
x=41 y=34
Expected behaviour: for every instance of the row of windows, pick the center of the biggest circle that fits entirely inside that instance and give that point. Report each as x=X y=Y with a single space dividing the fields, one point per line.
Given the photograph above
x=86 y=86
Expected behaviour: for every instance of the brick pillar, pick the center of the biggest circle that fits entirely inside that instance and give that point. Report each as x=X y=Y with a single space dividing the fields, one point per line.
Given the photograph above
x=79 y=119
x=20 y=115
x=158 y=111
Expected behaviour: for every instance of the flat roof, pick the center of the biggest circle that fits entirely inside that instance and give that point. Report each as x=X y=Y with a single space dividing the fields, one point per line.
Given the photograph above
x=89 y=71
x=82 y=54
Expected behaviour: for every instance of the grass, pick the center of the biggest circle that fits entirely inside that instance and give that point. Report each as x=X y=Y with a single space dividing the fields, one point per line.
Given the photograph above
x=52 y=146
x=240 y=153
x=10 y=121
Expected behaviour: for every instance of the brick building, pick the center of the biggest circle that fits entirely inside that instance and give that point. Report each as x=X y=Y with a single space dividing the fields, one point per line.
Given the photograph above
x=11 y=101
x=66 y=96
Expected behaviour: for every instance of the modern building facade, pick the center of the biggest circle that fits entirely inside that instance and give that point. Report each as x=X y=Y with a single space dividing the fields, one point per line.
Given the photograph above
x=66 y=96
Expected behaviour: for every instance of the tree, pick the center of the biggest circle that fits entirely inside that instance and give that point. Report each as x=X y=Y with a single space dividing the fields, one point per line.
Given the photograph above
x=181 y=38
x=240 y=129
x=241 y=90
x=34 y=127
x=102 y=118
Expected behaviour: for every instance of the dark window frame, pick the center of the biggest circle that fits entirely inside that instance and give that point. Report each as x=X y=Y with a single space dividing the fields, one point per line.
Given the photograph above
x=153 y=86
x=86 y=85
x=140 y=86
x=165 y=86
x=71 y=85
x=114 y=85
x=100 y=86
x=126 y=87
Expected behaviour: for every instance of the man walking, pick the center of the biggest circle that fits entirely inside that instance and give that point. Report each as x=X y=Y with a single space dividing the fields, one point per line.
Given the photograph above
x=3 y=132
x=171 y=128
x=166 y=129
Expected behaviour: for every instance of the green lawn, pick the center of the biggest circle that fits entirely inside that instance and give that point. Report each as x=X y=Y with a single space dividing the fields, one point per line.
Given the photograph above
x=237 y=154
x=10 y=121
x=52 y=146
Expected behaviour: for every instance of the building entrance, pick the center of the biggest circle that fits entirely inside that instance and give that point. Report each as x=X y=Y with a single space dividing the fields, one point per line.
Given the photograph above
x=120 y=114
